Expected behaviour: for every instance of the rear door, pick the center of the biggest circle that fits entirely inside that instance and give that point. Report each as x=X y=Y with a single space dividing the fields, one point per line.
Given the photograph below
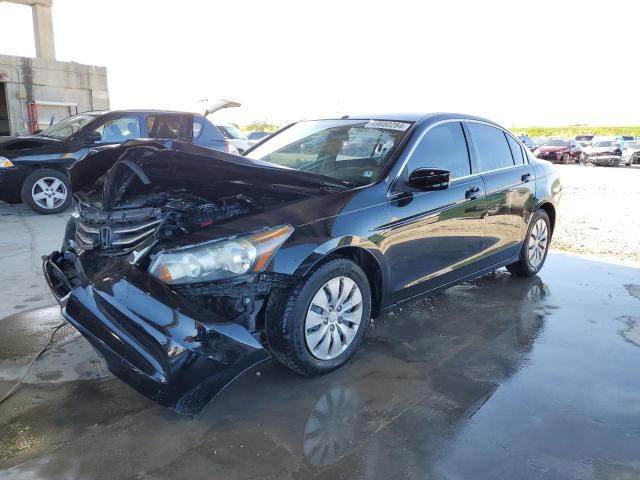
x=510 y=189
x=434 y=237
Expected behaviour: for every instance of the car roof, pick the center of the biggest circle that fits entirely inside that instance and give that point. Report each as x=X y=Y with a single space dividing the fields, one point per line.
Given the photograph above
x=142 y=110
x=417 y=117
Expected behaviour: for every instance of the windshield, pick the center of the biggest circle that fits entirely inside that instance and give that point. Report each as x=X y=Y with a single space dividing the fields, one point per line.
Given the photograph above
x=583 y=138
x=607 y=144
x=67 y=127
x=350 y=150
x=229 y=131
x=557 y=142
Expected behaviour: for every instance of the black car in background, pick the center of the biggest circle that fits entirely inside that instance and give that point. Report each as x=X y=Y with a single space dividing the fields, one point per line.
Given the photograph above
x=33 y=169
x=255 y=136
x=584 y=140
x=183 y=266
x=526 y=140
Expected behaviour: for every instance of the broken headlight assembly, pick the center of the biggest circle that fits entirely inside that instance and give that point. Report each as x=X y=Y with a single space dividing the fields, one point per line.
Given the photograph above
x=219 y=259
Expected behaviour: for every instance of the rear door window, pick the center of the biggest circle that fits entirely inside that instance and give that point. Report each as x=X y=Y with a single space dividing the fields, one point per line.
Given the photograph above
x=492 y=145
x=444 y=146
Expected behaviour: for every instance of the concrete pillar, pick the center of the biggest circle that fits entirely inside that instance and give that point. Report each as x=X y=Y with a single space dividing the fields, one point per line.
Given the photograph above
x=42 y=26
x=43 y=31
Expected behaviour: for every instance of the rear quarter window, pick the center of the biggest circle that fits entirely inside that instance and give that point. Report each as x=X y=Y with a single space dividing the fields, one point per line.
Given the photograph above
x=516 y=150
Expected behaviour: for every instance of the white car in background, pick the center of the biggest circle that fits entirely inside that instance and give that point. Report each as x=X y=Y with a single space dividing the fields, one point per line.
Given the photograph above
x=234 y=136
x=612 y=151
x=635 y=151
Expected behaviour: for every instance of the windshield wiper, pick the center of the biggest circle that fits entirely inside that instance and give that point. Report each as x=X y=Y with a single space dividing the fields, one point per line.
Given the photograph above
x=338 y=185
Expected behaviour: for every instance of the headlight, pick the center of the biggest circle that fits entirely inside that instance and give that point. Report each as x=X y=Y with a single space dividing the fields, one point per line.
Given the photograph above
x=219 y=259
x=5 y=162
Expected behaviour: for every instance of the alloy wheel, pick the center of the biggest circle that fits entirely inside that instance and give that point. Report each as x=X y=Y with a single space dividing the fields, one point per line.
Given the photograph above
x=538 y=242
x=333 y=318
x=49 y=192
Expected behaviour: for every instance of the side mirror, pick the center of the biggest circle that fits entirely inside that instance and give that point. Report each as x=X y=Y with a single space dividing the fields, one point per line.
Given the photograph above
x=93 y=137
x=430 y=179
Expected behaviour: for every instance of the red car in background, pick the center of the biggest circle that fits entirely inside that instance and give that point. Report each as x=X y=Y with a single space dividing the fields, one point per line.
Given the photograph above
x=560 y=150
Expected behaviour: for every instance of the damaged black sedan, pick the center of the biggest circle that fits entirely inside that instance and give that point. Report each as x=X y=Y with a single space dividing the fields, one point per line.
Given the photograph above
x=184 y=266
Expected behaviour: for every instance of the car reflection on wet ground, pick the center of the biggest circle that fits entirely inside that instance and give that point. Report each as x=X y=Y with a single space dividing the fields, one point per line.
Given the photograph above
x=498 y=378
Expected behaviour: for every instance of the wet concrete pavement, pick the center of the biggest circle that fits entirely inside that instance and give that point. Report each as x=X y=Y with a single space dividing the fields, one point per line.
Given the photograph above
x=498 y=378
x=24 y=237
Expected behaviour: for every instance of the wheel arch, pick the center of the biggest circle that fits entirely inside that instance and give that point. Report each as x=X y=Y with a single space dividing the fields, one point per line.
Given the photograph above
x=45 y=166
x=368 y=260
x=550 y=210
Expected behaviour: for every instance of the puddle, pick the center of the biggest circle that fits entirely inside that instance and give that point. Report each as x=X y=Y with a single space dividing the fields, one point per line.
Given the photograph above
x=632 y=333
x=633 y=289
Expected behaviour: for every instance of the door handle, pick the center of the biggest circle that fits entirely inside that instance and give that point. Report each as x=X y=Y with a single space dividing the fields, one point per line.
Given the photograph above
x=472 y=193
x=525 y=177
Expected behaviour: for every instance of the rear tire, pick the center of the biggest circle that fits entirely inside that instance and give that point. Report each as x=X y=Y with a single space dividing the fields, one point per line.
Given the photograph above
x=534 y=247
x=46 y=191
x=306 y=332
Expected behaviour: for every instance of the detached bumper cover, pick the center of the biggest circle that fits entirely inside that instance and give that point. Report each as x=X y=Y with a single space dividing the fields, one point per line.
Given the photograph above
x=149 y=337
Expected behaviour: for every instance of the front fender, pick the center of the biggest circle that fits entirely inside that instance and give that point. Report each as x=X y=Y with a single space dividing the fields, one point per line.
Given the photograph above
x=340 y=246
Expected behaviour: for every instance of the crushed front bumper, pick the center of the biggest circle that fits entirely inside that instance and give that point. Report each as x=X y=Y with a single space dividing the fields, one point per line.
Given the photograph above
x=605 y=159
x=169 y=350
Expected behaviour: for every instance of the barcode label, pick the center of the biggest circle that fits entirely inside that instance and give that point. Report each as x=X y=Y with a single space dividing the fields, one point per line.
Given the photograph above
x=388 y=125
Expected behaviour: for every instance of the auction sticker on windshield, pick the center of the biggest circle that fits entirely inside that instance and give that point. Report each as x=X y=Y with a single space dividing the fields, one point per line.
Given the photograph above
x=386 y=124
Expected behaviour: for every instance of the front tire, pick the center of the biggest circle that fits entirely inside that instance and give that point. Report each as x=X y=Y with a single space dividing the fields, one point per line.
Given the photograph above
x=534 y=247
x=565 y=159
x=319 y=325
x=46 y=191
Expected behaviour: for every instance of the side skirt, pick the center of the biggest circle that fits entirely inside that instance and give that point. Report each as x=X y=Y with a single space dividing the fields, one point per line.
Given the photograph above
x=440 y=288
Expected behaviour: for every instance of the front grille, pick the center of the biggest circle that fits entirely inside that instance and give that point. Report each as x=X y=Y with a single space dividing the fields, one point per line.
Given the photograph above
x=116 y=230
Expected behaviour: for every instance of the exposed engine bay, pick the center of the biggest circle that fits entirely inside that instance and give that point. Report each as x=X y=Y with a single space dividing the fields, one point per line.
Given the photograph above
x=152 y=191
x=165 y=214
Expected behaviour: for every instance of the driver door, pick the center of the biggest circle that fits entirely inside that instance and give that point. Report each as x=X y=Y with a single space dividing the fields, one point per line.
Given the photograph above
x=435 y=236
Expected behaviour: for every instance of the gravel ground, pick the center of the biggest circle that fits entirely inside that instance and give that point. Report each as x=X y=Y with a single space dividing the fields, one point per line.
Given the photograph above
x=598 y=211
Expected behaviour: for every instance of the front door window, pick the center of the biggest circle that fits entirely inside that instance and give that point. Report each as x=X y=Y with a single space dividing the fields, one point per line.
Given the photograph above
x=121 y=129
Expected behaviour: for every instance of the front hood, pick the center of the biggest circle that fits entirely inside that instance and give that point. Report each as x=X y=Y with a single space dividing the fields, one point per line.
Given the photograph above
x=173 y=164
x=601 y=149
x=17 y=144
x=172 y=194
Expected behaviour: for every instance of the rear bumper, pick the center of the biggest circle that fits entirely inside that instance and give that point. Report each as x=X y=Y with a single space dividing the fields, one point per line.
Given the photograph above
x=149 y=337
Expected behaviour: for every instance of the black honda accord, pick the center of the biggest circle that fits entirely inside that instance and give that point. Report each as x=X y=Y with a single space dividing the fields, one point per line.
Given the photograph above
x=183 y=267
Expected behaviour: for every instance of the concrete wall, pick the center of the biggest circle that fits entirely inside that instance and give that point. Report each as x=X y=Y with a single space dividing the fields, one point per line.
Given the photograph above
x=39 y=79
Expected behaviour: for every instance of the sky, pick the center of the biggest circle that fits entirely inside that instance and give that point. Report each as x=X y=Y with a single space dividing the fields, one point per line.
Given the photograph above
x=521 y=63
